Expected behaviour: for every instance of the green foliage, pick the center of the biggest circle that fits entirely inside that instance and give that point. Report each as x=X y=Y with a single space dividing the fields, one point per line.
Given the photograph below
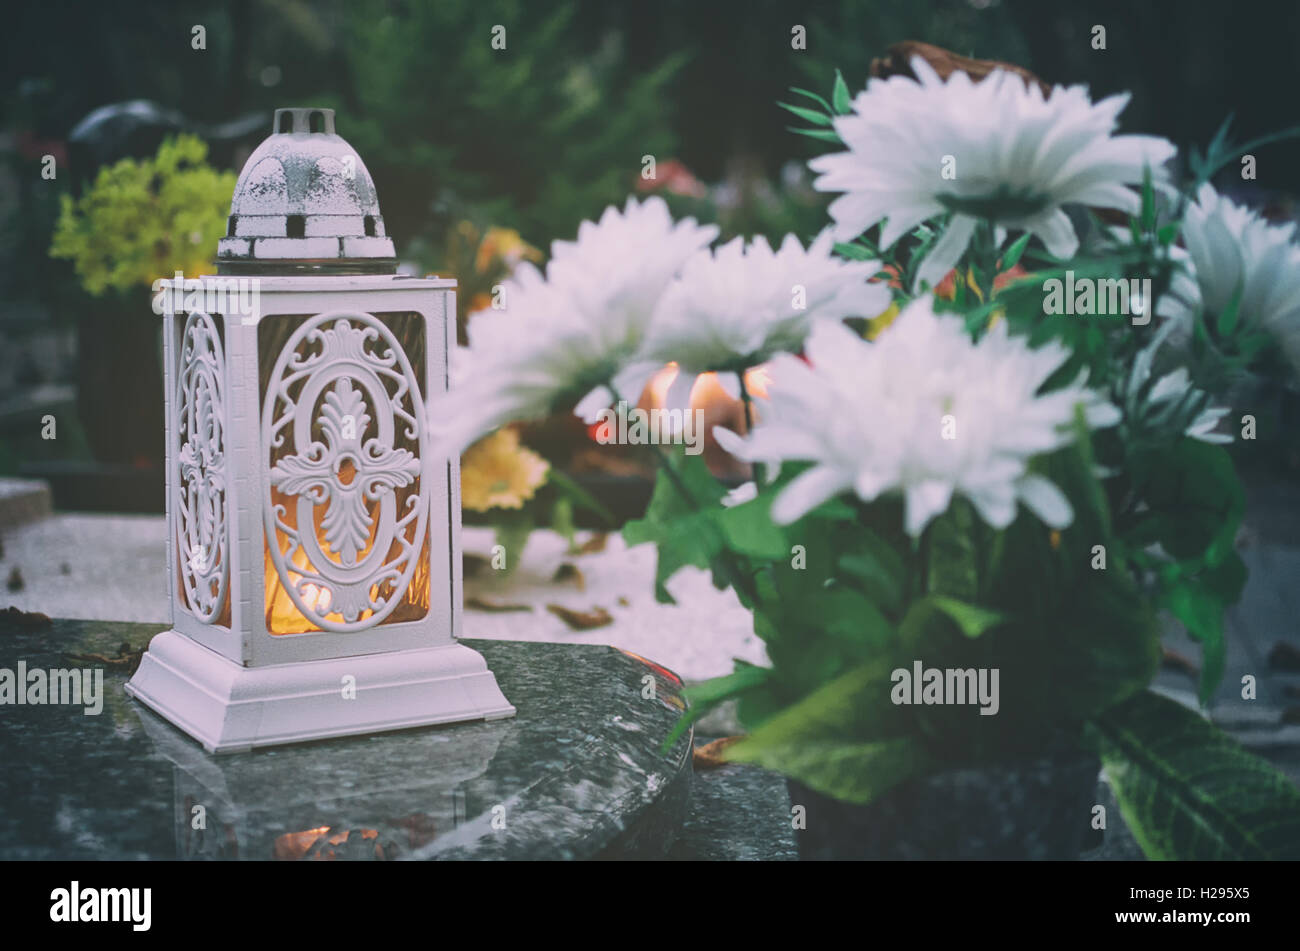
x=850 y=34
x=144 y=220
x=1190 y=792
x=845 y=739
x=1222 y=150
x=1194 y=507
x=840 y=95
x=536 y=136
x=681 y=519
x=553 y=506
x=843 y=598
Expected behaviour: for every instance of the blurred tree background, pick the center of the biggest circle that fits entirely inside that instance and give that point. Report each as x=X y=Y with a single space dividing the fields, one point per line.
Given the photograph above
x=549 y=130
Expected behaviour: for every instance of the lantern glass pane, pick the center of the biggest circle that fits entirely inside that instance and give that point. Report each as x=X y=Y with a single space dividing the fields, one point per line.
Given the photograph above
x=346 y=542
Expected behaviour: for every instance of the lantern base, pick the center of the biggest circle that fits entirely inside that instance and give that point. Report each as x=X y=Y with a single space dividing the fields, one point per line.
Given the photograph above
x=231 y=709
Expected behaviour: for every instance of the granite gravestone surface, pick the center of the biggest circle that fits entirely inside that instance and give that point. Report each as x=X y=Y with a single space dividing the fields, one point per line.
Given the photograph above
x=579 y=773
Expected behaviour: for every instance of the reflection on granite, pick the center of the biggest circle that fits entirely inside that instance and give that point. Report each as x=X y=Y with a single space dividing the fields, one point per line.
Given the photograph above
x=577 y=774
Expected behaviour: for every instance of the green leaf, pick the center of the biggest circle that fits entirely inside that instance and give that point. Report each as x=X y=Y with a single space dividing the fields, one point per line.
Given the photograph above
x=854 y=252
x=1218 y=144
x=813 y=96
x=953 y=567
x=840 y=97
x=744 y=677
x=811 y=115
x=846 y=739
x=971 y=618
x=703 y=697
x=1202 y=614
x=562 y=520
x=1220 y=152
x=851 y=616
x=680 y=520
x=512 y=533
x=1193 y=499
x=1227 y=321
x=1012 y=256
x=579 y=496
x=1148 y=200
x=823 y=135
x=1198 y=592
x=878 y=570
x=852 y=771
x=1076 y=640
x=748 y=529
x=1190 y=792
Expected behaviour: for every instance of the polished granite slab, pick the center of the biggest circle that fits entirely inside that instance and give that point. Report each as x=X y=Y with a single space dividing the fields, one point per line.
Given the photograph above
x=578 y=773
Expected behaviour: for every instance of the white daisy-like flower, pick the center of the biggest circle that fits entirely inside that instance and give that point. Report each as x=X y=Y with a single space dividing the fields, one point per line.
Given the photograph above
x=922 y=411
x=745 y=492
x=1230 y=246
x=996 y=150
x=563 y=336
x=1171 y=388
x=736 y=307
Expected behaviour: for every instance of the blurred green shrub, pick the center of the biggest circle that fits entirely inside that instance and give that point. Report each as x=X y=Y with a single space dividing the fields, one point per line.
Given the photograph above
x=535 y=136
x=142 y=220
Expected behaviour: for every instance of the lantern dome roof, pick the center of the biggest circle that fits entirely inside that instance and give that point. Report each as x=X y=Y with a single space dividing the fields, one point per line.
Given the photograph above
x=305 y=202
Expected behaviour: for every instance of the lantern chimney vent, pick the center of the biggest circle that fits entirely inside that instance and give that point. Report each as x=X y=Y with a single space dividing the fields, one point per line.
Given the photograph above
x=305 y=202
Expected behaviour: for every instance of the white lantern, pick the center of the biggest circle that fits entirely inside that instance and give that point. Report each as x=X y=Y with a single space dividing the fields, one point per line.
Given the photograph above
x=313 y=539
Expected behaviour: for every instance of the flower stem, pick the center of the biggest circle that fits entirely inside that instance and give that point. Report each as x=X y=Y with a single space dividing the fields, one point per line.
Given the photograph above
x=988 y=261
x=981 y=540
x=747 y=400
x=739 y=578
x=742 y=582
x=924 y=556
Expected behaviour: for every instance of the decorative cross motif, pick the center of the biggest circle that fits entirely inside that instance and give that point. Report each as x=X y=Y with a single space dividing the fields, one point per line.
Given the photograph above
x=316 y=471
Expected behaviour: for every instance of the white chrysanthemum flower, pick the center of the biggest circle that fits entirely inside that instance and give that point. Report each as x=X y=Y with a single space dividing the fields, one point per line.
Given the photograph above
x=1230 y=246
x=745 y=492
x=736 y=307
x=922 y=411
x=1171 y=388
x=994 y=150
x=564 y=336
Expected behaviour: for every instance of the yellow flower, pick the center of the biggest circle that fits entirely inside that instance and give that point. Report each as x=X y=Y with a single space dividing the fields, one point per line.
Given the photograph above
x=497 y=472
x=505 y=245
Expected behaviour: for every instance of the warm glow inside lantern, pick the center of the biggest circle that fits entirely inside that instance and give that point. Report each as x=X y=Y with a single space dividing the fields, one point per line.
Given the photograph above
x=313 y=539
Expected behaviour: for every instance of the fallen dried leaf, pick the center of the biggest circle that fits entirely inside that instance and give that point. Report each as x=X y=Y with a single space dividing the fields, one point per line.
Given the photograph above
x=624 y=602
x=24 y=620
x=709 y=756
x=126 y=659
x=1284 y=656
x=595 y=543
x=581 y=620
x=567 y=573
x=495 y=607
x=1176 y=661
